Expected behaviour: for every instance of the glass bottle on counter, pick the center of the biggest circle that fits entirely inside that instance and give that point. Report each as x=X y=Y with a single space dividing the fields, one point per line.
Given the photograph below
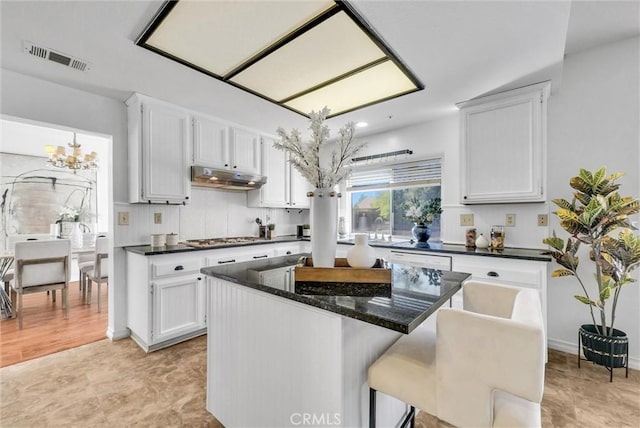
x=497 y=237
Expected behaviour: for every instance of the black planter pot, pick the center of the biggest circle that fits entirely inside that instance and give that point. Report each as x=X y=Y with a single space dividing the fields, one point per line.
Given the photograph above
x=609 y=351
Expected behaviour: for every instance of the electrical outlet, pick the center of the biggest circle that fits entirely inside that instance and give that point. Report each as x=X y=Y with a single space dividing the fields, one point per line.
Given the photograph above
x=543 y=219
x=157 y=218
x=510 y=220
x=466 y=219
x=123 y=218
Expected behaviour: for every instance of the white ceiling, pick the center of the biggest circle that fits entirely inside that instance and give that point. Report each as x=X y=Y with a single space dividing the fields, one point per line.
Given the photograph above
x=458 y=49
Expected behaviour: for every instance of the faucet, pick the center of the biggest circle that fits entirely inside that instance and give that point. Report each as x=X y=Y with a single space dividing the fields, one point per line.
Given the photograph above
x=378 y=221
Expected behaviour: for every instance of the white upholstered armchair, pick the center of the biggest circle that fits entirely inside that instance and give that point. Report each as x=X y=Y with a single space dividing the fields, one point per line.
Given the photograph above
x=483 y=367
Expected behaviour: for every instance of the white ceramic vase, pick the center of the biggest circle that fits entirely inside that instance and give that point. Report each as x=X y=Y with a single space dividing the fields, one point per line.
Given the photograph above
x=76 y=235
x=324 y=225
x=361 y=255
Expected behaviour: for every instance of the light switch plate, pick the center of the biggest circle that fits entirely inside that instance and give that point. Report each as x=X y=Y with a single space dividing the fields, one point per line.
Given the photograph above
x=543 y=219
x=466 y=219
x=157 y=218
x=510 y=220
x=123 y=218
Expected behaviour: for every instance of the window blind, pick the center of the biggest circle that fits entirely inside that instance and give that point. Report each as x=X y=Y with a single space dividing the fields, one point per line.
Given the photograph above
x=426 y=172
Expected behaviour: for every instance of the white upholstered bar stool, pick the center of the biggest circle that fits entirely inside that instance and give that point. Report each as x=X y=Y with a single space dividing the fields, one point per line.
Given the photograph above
x=98 y=272
x=41 y=266
x=482 y=367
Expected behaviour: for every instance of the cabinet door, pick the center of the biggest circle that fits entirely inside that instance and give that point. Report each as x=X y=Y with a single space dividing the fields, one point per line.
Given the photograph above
x=299 y=188
x=503 y=139
x=210 y=147
x=245 y=150
x=165 y=154
x=275 y=193
x=177 y=307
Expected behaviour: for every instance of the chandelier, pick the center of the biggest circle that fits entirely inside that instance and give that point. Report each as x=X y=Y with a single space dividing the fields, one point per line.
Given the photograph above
x=74 y=160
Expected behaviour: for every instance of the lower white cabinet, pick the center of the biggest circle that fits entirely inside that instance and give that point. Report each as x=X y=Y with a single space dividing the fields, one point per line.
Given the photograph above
x=282 y=278
x=166 y=298
x=518 y=273
x=179 y=306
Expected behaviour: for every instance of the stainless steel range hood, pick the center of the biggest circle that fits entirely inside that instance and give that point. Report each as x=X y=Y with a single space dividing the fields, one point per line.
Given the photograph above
x=203 y=176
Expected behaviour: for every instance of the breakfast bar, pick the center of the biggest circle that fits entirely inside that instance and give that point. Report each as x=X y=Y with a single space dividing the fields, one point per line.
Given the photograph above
x=278 y=358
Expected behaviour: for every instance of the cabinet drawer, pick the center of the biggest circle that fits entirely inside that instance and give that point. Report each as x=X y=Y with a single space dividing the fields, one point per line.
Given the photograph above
x=179 y=267
x=501 y=271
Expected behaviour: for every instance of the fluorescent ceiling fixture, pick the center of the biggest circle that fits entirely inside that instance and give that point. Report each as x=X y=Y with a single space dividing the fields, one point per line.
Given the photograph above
x=302 y=55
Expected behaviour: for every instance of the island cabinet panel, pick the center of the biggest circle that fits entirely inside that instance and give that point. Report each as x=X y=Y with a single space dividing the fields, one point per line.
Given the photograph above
x=503 y=140
x=272 y=362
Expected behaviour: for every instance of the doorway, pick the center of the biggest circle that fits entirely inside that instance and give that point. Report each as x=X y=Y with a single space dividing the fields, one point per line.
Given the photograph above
x=37 y=198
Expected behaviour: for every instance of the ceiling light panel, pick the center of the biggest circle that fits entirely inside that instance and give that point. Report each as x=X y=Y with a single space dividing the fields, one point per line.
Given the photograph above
x=218 y=36
x=333 y=48
x=372 y=85
x=302 y=55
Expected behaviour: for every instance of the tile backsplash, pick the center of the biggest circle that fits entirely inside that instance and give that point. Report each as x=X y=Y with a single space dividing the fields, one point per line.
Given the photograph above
x=525 y=234
x=210 y=214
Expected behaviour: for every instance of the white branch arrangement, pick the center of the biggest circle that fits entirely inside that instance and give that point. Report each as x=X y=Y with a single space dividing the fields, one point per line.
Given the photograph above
x=306 y=157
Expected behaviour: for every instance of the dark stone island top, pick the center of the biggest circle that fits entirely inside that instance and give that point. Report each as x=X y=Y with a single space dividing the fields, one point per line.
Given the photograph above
x=416 y=293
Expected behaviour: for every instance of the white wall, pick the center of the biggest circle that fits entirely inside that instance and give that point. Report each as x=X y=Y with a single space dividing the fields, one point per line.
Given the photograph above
x=593 y=122
x=39 y=100
x=442 y=137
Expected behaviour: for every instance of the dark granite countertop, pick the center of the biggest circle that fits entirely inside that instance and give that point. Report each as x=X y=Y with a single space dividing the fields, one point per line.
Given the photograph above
x=147 y=250
x=437 y=247
x=416 y=293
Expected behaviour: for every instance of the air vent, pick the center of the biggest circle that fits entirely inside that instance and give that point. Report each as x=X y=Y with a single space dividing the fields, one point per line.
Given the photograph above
x=55 y=56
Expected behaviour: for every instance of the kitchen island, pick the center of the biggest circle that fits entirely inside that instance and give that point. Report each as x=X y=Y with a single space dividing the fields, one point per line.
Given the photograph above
x=277 y=358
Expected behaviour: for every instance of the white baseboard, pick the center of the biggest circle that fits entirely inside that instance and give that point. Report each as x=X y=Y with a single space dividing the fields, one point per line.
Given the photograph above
x=118 y=334
x=572 y=348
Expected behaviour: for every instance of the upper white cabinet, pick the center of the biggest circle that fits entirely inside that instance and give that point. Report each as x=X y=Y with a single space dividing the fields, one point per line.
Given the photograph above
x=159 y=151
x=244 y=150
x=219 y=144
x=210 y=147
x=285 y=187
x=503 y=143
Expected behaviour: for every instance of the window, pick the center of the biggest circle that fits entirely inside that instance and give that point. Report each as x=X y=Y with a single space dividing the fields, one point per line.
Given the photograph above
x=376 y=195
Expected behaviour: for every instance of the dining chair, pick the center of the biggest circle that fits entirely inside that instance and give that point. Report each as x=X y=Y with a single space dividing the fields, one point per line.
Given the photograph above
x=41 y=266
x=98 y=272
x=483 y=366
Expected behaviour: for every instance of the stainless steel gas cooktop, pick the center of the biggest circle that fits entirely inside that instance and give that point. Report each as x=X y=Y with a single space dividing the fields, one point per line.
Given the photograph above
x=213 y=242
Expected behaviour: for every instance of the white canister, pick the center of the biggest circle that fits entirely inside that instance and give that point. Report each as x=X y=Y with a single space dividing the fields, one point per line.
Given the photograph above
x=361 y=255
x=172 y=239
x=158 y=239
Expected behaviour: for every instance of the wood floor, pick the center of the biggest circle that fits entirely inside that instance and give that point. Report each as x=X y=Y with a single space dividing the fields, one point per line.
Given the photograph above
x=45 y=330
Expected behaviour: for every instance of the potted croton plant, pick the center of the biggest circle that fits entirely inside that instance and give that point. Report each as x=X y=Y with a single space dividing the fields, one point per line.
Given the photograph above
x=596 y=211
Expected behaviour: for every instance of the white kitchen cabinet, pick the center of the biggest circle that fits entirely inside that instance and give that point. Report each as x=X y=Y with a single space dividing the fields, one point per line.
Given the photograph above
x=159 y=151
x=219 y=144
x=210 y=146
x=285 y=187
x=282 y=278
x=179 y=306
x=238 y=255
x=503 y=143
x=166 y=298
x=244 y=150
x=518 y=273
